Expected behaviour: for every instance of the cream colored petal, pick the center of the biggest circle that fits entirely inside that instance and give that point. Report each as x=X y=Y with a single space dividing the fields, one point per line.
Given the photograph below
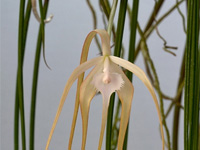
x=35 y=12
x=126 y=96
x=87 y=92
x=80 y=69
x=105 y=44
x=106 y=91
x=141 y=75
x=107 y=82
x=106 y=101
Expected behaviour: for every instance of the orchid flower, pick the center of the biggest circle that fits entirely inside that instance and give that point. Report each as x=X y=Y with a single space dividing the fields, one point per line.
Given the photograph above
x=106 y=77
x=35 y=12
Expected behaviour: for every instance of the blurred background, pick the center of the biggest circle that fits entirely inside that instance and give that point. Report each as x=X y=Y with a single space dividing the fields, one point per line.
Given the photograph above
x=65 y=36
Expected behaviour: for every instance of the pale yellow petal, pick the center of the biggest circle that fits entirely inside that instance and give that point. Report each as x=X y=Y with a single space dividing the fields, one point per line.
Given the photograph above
x=126 y=96
x=87 y=92
x=107 y=82
x=35 y=12
x=105 y=44
x=141 y=75
x=106 y=101
x=80 y=69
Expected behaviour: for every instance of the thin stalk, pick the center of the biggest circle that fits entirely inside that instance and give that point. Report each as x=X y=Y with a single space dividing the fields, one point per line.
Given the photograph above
x=117 y=52
x=107 y=9
x=131 y=55
x=16 y=115
x=16 y=120
x=20 y=72
x=192 y=70
x=111 y=17
x=183 y=17
x=94 y=16
x=154 y=13
x=157 y=84
x=151 y=28
x=35 y=81
x=177 y=108
x=43 y=31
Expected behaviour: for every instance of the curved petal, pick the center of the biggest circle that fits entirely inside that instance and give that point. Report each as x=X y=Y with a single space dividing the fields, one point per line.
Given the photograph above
x=80 y=69
x=126 y=96
x=141 y=75
x=87 y=92
x=107 y=82
x=76 y=107
x=35 y=12
x=105 y=43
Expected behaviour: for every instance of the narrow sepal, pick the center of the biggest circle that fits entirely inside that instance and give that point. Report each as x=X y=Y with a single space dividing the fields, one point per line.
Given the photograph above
x=79 y=70
x=141 y=75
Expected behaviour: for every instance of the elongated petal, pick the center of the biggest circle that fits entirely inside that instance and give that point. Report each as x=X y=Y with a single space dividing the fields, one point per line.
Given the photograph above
x=141 y=75
x=87 y=92
x=105 y=44
x=35 y=12
x=80 y=69
x=107 y=82
x=126 y=96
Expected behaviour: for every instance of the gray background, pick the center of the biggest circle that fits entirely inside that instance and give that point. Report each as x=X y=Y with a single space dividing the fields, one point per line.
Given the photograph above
x=64 y=39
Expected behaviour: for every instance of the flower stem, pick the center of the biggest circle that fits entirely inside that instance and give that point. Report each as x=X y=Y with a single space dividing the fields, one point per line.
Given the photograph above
x=117 y=52
x=111 y=17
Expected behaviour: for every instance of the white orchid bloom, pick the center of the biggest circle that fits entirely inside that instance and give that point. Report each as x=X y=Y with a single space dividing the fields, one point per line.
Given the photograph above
x=106 y=77
x=35 y=12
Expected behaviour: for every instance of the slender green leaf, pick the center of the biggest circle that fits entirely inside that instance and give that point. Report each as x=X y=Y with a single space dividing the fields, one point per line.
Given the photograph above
x=131 y=55
x=192 y=88
x=16 y=115
x=19 y=88
x=35 y=79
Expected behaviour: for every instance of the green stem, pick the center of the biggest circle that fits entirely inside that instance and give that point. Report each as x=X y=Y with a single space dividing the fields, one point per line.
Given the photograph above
x=20 y=72
x=109 y=122
x=117 y=52
x=16 y=120
x=192 y=87
x=146 y=55
x=43 y=30
x=35 y=81
x=111 y=17
x=151 y=28
x=25 y=29
x=182 y=16
x=94 y=23
x=131 y=55
x=177 y=108
x=16 y=115
x=154 y=13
